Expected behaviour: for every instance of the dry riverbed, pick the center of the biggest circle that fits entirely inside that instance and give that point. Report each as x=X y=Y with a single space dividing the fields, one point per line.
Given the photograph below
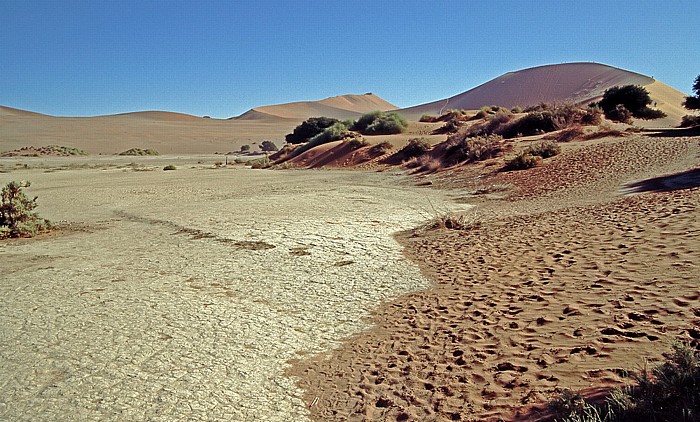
x=174 y=295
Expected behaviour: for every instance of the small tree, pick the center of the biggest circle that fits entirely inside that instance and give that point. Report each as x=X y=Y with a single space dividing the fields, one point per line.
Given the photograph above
x=245 y=148
x=693 y=102
x=17 y=216
x=268 y=146
x=309 y=128
x=634 y=98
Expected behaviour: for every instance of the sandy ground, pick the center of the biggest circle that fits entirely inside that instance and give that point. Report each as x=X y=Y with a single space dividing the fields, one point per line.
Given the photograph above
x=566 y=278
x=181 y=295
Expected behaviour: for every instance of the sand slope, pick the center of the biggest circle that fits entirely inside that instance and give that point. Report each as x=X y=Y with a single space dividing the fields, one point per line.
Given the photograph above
x=563 y=284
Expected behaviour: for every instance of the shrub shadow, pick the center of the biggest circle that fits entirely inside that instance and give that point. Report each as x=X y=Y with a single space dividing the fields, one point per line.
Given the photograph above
x=685 y=180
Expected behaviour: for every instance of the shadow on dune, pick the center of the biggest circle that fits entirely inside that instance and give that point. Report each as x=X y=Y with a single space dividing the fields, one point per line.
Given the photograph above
x=685 y=180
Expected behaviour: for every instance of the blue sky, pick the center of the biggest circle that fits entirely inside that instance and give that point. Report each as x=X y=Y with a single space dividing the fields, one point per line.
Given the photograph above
x=84 y=58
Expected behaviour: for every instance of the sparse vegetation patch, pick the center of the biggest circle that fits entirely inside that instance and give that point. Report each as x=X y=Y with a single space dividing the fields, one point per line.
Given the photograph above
x=139 y=152
x=460 y=148
x=55 y=150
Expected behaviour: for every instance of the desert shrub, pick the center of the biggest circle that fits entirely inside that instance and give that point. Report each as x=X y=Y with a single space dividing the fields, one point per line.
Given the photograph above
x=544 y=149
x=454 y=114
x=139 y=151
x=309 y=128
x=494 y=123
x=172 y=167
x=522 y=161
x=516 y=110
x=460 y=148
x=260 y=163
x=592 y=116
x=338 y=131
x=693 y=102
x=667 y=392
x=380 y=123
x=381 y=148
x=619 y=114
x=633 y=98
x=690 y=121
x=533 y=123
x=17 y=216
x=426 y=118
x=451 y=126
x=356 y=143
x=415 y=147
x=268 y=146
x=538 y=107
x=245 y=148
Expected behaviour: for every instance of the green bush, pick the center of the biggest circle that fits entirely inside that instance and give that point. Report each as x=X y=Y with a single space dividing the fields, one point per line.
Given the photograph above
x=172 y=167
x=338 y=131
x=460 y=148
x=309 y=128
x=523 y=162
x=17 y=216
x=693 y=102
x=380 y=123
x=245 y=148
x=633 y=98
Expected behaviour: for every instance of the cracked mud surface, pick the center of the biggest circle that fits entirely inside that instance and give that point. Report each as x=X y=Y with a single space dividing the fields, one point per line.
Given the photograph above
x=182 y=295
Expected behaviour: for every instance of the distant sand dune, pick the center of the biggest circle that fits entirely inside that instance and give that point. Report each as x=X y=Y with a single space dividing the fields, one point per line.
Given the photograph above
x=341 y=107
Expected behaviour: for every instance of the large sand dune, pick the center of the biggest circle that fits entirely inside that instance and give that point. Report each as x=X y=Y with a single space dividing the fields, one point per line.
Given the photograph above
x=560 y=83
x=177 y=133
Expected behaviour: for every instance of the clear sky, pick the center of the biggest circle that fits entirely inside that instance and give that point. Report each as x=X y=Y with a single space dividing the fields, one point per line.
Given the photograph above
x=221 y=58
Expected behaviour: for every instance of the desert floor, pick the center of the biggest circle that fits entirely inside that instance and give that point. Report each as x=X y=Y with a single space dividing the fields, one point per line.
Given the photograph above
x=182 y=295
x=564 y=276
